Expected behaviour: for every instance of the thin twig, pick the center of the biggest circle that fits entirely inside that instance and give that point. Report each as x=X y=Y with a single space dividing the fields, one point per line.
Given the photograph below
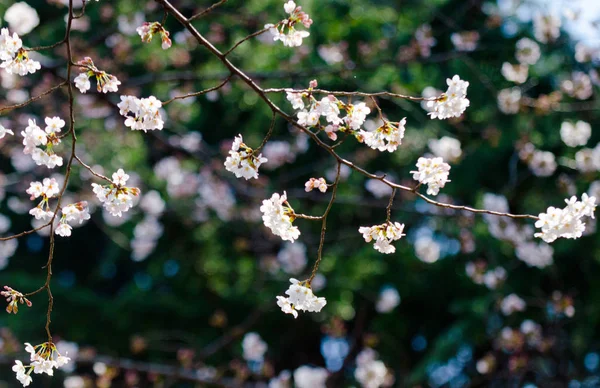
x=32 y=99
x=324 y=224
x=200 y=92
x=257 y=33
x=207 y=10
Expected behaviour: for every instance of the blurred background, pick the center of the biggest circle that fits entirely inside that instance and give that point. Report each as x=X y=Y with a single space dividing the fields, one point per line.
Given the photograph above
x=168 y=294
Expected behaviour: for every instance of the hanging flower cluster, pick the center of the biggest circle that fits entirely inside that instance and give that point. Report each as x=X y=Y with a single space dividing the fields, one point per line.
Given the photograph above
x=46 y=189
x=14 y=297
x=104 y=82
x=116 y=198
x=15 y=59
x=314 y=183
x=141 y=114
x=300 y=297
x=43 y=359
x=148 y=30
x=34 y=138
x=242 y=160
x=386 y=137
x=433 y=172
x=453 y=102
x=383 y=235
x=74 y=212
x=278 y=216
x=291 y=37
x=566 y=222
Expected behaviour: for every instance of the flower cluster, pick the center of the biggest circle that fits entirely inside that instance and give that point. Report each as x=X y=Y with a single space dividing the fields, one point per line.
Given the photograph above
x=254 y=347
x=148 y=30
x=43 y=359
x=480 y=274
x=577 y=134
x=566 y=222
x=46 y=189
x=452 y=103
x=371 y=372
x=116 y=198
x=242 y=160
x=383 y=235
x=291 y=37
x=104 y=82
x=278 y=216
x=15 y=59
x=145 y=114
x=14 y=297
x=433 y=172
x=300 y=297
x=511 y=304
x=314 y=183
x=74 y=212
x=34 y=137
x=392 y=133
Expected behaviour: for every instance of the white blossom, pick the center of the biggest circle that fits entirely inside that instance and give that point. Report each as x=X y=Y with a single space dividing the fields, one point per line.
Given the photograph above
x=433 y=172
x=254 y=347
x=82 y=82
x=292 y=257
x=116 y=198
x=314 y=183
x=576 y=134
x=309 y=377
x=527 y=51
x=278 y=216
x=388 y=299
x=542 y=163
x=453 y=102
x=535 y=255
x=385 y=138
x=141 y=113
x=546 y=28
x=242 y=161
x=21 y=18
x=512 y=303
x=566 y=222
x=515 y=73
x=383 y=235
x=300 y=298
x=509 y=100
x=5 y=131
x=427 y=249
x=446 y=148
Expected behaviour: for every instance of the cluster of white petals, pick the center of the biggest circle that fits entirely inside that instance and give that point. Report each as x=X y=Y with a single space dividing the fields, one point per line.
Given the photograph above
x=104 y=82
x=511 y=304
x=446 y=148
x=75 y=212
x=385 y=138
x=527 y=51
x=314 y=183
x=242 y=161
x=576 y=134
x=44 y=358
x=34 y=138
x=388 y=299
x=141 y=113
x=46 y=189
x=300 y=298
x=383 y=235
x=515 y=73
x=452 y=103
x=278 y=216
x=15 y=59
x=254 y=347
x=535 y=255
x=371 y=372
x=285 y=30
x=566 y=222
x=433 y=172
x=116 y=198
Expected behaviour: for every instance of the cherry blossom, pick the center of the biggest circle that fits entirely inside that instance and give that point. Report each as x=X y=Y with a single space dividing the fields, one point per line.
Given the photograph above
x=453 y=102
x=242 y=160
x=278 y=216
x=383 y=235
x=433 y=172
x=300 y=298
